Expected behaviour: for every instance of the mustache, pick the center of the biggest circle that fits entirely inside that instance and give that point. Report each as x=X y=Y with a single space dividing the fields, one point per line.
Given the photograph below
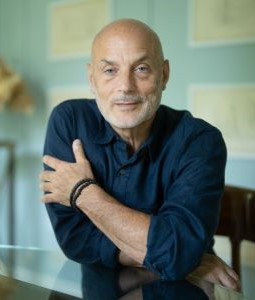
x=127 y=99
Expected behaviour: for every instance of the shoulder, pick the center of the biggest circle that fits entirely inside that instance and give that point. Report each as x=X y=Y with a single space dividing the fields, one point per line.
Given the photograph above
x=77 y=118
x=77 y=113
x=76 y=107
x=189 y=132
x=183 y=119
x=184 y=122
x=68 y=121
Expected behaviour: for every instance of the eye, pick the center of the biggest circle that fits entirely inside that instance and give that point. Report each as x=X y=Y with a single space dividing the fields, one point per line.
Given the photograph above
x=142 y=69
x=110 y=71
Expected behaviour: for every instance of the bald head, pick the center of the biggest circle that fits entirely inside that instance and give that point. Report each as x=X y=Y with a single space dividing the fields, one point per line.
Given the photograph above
x=128 y=73
x=128 y=30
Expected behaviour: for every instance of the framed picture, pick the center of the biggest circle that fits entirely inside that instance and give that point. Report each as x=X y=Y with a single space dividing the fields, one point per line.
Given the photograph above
x=57 y=95
x=231 y=108
x=72 y=25
x=221 y=22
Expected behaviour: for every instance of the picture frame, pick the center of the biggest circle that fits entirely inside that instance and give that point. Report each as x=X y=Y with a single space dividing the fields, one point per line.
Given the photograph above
x=221 y=22
x=230 y=108
x=72 y=25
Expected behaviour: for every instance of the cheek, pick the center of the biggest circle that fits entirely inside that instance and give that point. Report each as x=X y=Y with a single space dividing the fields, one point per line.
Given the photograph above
x=149 y=86
x=105 y=87
x=101 y=90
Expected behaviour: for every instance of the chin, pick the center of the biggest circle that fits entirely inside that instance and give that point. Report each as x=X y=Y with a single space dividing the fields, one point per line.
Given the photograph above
x=127 y=123
x=122 y=124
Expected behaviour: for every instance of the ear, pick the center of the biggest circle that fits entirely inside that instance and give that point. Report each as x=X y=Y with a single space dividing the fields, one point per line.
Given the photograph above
x=166 y=73
x=90 y=77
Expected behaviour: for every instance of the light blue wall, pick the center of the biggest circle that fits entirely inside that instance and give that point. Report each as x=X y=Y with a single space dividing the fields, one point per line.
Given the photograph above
x=23 y=44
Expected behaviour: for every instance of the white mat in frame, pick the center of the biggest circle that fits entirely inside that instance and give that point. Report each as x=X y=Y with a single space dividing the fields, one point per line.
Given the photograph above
x=219 y=22
x=231 y=108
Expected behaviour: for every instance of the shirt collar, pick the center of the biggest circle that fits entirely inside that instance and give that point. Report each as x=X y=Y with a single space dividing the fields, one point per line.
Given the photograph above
x=106 y=134
x=163 y=126
x=151 y=144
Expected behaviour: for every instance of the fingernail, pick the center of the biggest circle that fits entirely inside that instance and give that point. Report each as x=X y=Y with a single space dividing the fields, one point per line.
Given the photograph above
x=77 y=142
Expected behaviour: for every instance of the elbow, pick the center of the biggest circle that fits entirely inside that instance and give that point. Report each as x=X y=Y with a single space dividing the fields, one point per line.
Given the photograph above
x=77 y=251
x=174 y=248
x=69 y=251
x=176 y=266
x=173 y=255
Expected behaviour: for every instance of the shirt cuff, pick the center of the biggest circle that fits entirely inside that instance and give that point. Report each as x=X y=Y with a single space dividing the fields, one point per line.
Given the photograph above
x=173 y=250
x=159 y=244
x=108 y=252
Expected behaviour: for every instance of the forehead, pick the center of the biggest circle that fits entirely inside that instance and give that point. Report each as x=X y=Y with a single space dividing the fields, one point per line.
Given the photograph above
x=128 y=46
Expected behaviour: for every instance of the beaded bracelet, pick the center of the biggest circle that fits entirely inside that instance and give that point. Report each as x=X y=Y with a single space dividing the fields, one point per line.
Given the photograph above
x=78 y=188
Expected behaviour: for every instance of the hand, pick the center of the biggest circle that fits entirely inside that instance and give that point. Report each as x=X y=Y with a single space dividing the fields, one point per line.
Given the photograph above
x=131 y=278
x=136 y=294
x=215 y=270
x=125 y=260
x=60 y=182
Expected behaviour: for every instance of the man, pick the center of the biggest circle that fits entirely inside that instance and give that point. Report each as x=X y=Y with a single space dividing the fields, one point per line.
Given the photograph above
x=160 y=172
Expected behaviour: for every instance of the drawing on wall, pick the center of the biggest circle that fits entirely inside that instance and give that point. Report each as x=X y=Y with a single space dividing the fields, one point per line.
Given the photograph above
x=57 y=95
x=73 y=25
x=232 y=110
x=222 y=21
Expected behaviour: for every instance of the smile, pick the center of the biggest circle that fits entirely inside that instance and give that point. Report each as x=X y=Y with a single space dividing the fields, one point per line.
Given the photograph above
x=127 y=105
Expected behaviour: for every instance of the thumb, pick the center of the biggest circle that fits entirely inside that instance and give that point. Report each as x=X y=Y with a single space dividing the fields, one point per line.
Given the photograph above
x=78 y=151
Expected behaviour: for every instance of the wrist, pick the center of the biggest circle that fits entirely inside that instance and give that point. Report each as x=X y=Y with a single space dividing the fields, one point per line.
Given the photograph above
x=78 y=188
x=87 y=196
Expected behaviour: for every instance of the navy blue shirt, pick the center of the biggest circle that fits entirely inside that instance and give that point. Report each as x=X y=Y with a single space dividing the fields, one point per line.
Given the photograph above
x=176 y=176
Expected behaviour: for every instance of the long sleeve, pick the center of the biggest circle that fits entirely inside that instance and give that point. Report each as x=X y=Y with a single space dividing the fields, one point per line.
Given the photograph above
x=79 y=239
x=184 y=226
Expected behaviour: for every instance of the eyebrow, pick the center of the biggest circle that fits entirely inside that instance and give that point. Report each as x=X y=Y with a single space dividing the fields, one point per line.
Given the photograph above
x=108 y=62
x=112 y=63
x=143 y=58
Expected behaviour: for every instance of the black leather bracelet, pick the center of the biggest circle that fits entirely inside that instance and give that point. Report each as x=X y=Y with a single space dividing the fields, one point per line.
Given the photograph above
x=78 y=188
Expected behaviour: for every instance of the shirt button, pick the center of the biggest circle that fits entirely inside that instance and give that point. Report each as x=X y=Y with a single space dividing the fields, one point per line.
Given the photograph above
x=122 y=172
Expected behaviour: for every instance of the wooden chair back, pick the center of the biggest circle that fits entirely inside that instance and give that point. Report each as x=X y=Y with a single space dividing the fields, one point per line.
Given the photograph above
x=237 y=219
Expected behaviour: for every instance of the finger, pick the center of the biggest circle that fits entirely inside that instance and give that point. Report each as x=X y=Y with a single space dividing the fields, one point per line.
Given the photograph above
x=49 y=198
x=78 y=151
x=227 y=281
x=52 y=162
x=233 y=274
x=45 y=186
x=46 y=175
x=53 y=198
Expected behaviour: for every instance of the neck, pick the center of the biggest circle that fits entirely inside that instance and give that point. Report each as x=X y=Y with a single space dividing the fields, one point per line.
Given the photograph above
x=137 y=135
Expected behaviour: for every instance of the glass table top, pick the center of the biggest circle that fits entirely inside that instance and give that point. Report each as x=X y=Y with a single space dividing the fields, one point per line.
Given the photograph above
x=31 y=273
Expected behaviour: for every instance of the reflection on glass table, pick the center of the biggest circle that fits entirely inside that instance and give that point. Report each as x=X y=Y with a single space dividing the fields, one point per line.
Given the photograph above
x=30 y=273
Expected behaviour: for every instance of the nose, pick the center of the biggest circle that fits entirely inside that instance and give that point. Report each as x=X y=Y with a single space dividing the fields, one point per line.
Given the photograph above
x=126 y=83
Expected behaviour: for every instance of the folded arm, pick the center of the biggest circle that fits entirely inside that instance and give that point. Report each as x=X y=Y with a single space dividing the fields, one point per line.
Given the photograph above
x=77 y=236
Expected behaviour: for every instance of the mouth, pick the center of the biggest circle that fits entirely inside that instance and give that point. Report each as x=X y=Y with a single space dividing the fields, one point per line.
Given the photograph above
x=127 y=105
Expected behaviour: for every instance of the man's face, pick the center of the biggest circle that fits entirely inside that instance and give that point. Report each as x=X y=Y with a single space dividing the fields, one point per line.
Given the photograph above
x=127 y=77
